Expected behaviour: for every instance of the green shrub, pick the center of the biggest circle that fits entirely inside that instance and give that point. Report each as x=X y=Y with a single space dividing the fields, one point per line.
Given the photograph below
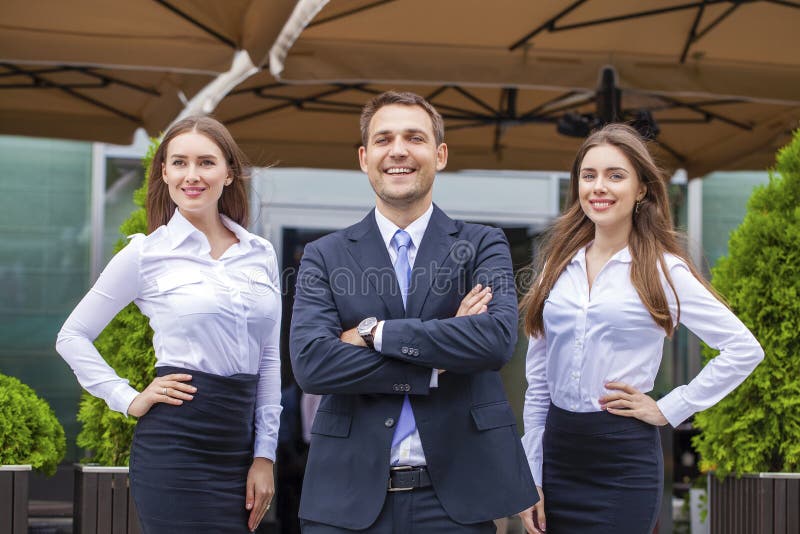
x=127 y=345
x=757 y=427
x=29 y=430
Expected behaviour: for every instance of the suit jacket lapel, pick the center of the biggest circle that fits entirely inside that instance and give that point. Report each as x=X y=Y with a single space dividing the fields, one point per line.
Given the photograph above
x=432 y=254
x=369 y=251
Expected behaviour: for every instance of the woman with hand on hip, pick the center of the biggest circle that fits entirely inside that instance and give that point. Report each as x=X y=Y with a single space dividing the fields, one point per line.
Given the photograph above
x=613 y=282
x=204 y=445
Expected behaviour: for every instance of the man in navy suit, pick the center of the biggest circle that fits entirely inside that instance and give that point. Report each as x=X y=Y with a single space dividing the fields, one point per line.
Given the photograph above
x=402 y=322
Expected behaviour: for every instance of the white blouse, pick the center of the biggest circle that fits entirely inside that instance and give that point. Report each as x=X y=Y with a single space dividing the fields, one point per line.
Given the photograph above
x=607 y=335
x=217 y=316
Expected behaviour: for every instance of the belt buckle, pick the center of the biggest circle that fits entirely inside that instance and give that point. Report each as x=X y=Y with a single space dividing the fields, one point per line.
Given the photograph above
x=389 y=487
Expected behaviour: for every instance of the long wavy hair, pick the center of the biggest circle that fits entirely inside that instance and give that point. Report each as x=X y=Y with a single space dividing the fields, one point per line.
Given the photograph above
x=651 y=237
x=232 y=203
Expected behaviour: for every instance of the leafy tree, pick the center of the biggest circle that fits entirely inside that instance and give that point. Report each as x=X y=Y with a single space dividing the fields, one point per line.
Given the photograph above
x=29 y=430
x=757 y=427
x=127 y=345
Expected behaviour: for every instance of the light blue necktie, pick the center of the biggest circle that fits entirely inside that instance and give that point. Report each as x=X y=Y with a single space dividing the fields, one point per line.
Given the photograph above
x=402 y=268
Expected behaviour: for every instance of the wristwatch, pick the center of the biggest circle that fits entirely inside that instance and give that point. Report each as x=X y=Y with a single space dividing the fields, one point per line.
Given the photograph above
x=364 y=330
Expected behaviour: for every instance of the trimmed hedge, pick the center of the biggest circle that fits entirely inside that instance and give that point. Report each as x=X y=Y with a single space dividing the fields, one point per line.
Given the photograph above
x=29 y=430
x=757 y=427
x=127 y=345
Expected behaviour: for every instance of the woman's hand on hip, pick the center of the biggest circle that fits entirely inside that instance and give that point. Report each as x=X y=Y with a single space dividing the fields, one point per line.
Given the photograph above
x=533 y=519
x=628 y=401
x=260 y=489
x=169 y=389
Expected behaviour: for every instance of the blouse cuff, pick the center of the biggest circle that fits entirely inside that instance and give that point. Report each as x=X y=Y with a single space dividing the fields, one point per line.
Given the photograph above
x=675 y=409
x=532 y=443
x=267 y=423
x=121 y=398
x=265 y=447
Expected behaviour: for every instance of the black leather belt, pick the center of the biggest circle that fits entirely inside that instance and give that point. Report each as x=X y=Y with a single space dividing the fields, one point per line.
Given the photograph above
x=407 y=478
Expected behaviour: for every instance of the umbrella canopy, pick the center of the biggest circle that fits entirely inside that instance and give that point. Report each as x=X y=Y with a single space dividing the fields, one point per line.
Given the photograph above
x=501 y=128
x=721 y=78
x=98 y=69
x=706 y=47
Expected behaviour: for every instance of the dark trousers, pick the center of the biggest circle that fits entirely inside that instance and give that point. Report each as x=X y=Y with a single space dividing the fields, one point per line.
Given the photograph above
x=408 y=512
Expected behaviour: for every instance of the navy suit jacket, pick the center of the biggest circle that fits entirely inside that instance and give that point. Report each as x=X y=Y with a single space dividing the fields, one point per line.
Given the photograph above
x=468 y=430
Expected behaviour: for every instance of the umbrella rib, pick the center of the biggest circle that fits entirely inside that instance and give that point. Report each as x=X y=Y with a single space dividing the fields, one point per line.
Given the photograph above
x=296 y=102
x=784 y=3
x=707 y=113
x=690 y=39
x=44 y=82
x=475 y=99
x=548 y=25
x=716 y=21
x=535 y=111
x=680 y=157
x=199 y=24
x=637 y=15
x=437 y=92
x=106 y=78
x=257 y=89
x=476 y=124
x=376 y=3
x=50 y=70
x=704 y=120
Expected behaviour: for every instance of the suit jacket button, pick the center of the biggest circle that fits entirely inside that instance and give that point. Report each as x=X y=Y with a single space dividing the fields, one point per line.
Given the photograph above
x=416 y=352
x=404 y=350
x=395 y=387
x=407 y=387
x=389 y=423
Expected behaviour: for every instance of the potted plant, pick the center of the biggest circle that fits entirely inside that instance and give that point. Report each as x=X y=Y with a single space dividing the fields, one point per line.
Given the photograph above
x=102 y=497
x=30 y=438
x=751 y=439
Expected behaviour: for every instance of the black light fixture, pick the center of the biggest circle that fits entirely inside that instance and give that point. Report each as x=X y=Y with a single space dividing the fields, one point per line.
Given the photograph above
x=575 y=124
x=644 y=123
x=608 y=101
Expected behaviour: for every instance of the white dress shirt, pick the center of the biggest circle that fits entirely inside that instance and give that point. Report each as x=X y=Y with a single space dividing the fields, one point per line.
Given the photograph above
x=608 y=335
x=409 y=451
x=217 y=316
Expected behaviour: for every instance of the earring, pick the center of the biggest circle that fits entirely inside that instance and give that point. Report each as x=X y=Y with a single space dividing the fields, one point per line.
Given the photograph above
x=636 y=207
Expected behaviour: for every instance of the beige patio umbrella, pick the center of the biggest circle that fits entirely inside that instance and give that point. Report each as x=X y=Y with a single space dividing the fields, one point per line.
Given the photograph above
x=730 y=67
x=98 y=69
x=500 y=128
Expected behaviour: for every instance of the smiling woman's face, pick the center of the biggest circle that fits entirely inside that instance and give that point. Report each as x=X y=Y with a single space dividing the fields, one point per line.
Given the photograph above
x=195 y=172
x=608 y=188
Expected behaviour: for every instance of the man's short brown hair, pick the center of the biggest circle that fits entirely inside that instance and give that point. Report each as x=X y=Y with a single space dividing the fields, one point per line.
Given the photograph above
x=405 y=99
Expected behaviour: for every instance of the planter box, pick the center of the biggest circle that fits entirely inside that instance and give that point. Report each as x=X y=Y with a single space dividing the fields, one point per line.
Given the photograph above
x=14 y=483
x=764 y=503
x=103 y=502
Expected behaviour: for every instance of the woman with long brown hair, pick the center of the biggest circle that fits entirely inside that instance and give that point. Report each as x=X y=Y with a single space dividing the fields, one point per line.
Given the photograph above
x=613 y=282
x=204 y=444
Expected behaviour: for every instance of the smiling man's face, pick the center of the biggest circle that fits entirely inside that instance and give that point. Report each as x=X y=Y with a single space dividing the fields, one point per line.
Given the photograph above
x=401 y=157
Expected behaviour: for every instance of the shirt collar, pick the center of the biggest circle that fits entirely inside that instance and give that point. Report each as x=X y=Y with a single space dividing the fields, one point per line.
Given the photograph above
x=416 y=229
x=622 y=256
x=180 y=229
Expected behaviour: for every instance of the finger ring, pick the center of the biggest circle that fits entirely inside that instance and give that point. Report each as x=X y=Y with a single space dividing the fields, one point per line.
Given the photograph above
x=164 y=392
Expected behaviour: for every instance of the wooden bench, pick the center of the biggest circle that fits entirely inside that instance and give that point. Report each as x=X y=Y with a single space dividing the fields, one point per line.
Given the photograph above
x=764 y=503
x=103 y=502
x=14 y=484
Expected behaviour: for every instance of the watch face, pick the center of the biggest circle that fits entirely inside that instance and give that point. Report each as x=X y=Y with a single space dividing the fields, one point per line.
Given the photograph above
x=365 y=327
